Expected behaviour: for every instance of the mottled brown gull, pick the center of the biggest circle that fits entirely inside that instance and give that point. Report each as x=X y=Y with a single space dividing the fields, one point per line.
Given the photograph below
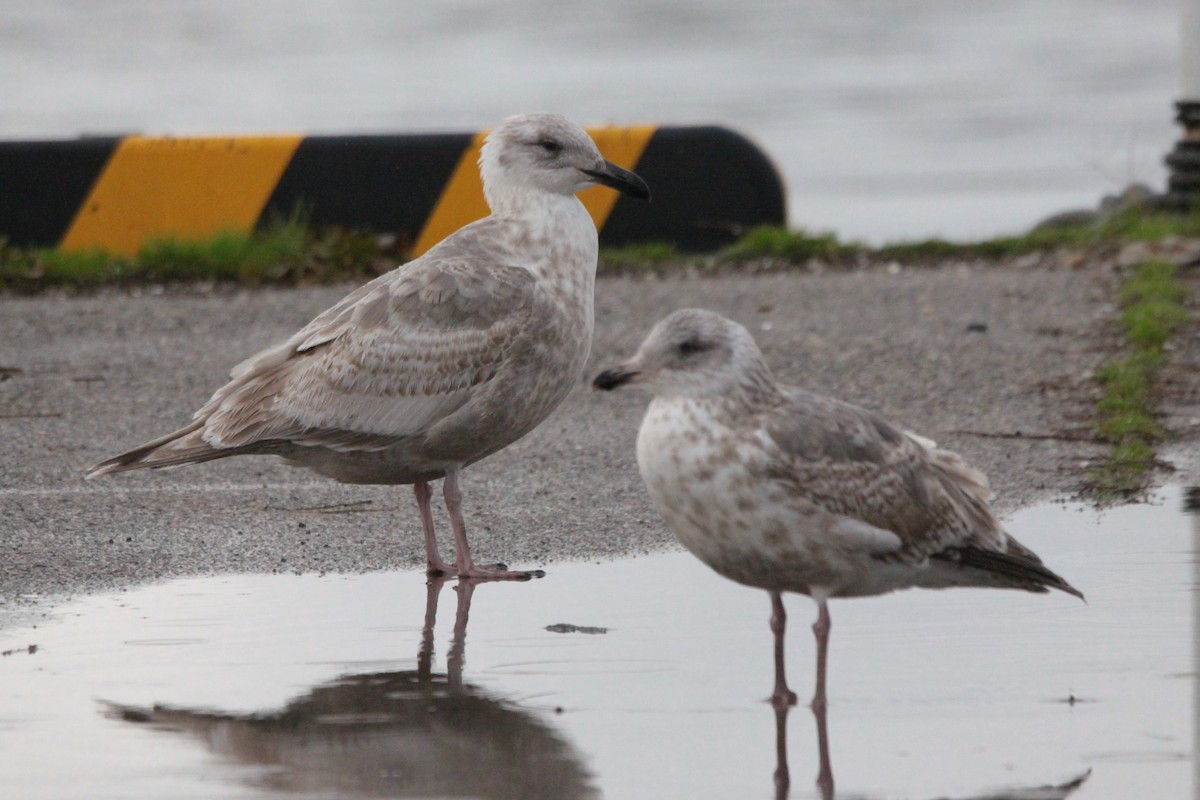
x=440 y=362
x=787 y=490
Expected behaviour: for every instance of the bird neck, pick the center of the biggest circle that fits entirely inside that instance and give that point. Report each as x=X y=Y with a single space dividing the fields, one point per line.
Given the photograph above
x=552 y=236
x=557 y=231
x=506 y=197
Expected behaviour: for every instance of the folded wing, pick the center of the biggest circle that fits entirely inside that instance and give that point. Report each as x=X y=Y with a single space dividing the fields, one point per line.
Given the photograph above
x=387 y=362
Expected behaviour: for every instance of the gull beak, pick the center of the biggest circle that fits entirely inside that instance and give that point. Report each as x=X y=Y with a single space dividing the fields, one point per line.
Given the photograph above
x=622 y=180
x=612 y=378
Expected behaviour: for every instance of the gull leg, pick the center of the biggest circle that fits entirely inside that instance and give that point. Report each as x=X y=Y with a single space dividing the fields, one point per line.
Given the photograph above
x=456 y=659
x=465 y=564
x=433 y=559
x=825 y=773
x=821 y=631
x=782 y=776
x=433 y=588
x=782 y=697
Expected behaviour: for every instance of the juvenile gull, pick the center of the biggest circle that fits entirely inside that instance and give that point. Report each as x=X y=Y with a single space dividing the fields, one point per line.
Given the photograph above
x=440 y=362
x=787 y=490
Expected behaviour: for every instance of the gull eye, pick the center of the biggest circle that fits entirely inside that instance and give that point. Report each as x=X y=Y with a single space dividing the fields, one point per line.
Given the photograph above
x=550 y=146
x=689 y=347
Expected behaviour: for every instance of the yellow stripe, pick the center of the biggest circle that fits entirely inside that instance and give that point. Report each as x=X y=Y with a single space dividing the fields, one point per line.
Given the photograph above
x=622 y=146
x=462 y=200
x=189 y=188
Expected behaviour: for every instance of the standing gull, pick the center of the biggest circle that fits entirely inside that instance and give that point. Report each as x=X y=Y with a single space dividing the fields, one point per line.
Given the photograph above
x=440 y=362
x=787 y=490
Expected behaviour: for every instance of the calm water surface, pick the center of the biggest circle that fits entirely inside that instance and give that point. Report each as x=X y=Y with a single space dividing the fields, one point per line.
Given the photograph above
x=889 y=119
x=379 y=685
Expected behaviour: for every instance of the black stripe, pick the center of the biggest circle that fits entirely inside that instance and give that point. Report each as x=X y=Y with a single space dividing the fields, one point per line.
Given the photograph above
x=709 y=186
x=381 y=183
x=43 y=185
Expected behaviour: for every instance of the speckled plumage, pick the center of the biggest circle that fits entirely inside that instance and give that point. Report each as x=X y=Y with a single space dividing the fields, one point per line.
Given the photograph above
x=440 y=362
x=782 y=489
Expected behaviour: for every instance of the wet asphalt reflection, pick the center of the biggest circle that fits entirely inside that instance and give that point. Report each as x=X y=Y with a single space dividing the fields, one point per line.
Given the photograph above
x=639 y=678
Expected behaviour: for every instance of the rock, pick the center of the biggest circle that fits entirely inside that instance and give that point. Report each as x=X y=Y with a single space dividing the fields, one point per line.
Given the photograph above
x=1134 y=253
x=1135 y=195
x=1069 y=219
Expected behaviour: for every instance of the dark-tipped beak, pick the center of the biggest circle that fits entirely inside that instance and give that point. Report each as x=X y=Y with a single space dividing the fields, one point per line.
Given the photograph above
x=612 y=378
x=622 y=180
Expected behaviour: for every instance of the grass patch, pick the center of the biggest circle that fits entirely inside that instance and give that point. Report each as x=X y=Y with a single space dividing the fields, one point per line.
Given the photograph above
x=1130 y=225
x=283 y=252
x=933 y=250
x=922 y=251
x=652 y=256
x=1133 y=224
x=794 y=246
x=1152 y=301
x=287 y=251
x=230 y=255
x=81 y=267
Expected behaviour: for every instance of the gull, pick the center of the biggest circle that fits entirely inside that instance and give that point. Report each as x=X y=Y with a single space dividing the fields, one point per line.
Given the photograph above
x=404 y=733
x=786 y=490
x=440 y=362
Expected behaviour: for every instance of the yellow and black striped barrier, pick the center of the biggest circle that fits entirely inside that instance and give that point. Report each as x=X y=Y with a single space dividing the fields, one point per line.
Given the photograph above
x=115 y=194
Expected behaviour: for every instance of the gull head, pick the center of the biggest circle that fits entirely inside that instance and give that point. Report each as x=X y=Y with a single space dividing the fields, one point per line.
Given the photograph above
x=693 y=353
x=547 y=153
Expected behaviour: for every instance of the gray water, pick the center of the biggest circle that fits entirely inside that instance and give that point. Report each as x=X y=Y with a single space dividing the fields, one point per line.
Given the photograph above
x=346 y=686
x=888 y=118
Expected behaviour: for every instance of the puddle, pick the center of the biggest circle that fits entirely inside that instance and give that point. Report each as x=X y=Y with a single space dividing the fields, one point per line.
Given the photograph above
x=643 y=678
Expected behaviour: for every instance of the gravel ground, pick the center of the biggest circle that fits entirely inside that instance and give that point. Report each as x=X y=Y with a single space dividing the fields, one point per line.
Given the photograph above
x=994 y=363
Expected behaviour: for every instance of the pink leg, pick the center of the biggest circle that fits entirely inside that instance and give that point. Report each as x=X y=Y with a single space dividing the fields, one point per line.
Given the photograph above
x=821 y=631
x=456 y=659
x=465 y=564
x=433 y=559
x=825 y=773
x=433 y=588
x=782 y=697
x=783 y=777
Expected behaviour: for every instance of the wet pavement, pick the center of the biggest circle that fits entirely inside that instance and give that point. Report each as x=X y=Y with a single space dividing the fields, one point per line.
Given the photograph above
x=644 y=677
x=101 y=373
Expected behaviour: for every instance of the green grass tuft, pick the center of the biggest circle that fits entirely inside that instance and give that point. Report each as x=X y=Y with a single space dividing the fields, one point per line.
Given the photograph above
x=653 y=256
x=922 y=251
x=287 y=251
x=269 y=253
x=798 y=246
x=1152 y=308
x=82 y=267
x=795 y=246
x=1123 y=475
x=284 y=251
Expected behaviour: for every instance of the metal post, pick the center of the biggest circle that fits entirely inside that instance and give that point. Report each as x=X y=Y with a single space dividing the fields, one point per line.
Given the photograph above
x=1183 y=182
x=1191 y=506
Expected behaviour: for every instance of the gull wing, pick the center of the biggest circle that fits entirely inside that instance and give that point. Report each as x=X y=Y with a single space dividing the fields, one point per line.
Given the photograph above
x=385 y=363
x=851 y=462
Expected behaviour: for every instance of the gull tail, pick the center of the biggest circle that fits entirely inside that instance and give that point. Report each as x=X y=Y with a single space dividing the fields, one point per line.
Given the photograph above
x=1019 y=568
x=184 y=446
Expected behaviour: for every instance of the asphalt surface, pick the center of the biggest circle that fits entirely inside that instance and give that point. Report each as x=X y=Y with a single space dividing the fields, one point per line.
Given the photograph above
x=993 y=362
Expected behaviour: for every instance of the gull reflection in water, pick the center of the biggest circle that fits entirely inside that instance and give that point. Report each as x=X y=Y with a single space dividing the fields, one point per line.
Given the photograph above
x=824 y=780
x=413 y=733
